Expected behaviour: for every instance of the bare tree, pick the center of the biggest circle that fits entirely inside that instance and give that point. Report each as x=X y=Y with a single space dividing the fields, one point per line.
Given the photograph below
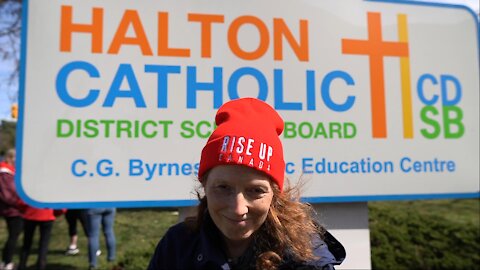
x=10 y=28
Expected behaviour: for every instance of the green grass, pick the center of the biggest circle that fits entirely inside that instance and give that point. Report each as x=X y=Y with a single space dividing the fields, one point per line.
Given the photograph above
x=137 y=232
x=430 y=234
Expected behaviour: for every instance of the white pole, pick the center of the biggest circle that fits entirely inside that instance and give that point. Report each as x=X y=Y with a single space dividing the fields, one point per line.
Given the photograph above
x=184 y=212
x=348 y=223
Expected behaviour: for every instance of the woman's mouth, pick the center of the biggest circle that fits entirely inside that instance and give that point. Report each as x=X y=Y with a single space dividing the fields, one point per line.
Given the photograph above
x=237 y=221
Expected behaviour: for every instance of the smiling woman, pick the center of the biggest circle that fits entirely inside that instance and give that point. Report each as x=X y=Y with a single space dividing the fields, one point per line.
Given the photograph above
x=239 y=200
x=246 y=218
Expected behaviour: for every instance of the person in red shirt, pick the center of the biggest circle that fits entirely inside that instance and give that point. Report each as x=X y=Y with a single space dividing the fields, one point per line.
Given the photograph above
x=9 y=208
x=33 y=218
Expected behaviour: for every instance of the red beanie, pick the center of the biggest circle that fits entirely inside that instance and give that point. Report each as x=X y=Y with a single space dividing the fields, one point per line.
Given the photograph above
x=246 y=134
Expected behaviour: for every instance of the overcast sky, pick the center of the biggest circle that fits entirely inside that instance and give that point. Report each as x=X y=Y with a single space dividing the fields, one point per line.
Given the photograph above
x=5 y=67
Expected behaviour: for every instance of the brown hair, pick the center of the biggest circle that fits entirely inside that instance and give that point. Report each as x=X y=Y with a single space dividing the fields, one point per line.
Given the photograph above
x=289 y=227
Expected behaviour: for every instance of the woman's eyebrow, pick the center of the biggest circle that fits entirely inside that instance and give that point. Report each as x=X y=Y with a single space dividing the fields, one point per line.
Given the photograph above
x=219 y=180
x=259 y=184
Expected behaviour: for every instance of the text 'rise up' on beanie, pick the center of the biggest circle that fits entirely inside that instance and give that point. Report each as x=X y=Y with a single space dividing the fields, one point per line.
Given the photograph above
x=247 y=133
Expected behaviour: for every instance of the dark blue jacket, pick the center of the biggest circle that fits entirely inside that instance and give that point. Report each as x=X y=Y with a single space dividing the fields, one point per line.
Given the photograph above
x=184 y=248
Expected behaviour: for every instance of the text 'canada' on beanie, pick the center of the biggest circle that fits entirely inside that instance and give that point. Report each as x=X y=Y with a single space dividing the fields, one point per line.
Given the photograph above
x=247 y=133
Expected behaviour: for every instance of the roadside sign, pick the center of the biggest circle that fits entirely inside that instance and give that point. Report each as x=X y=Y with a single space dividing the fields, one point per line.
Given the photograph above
x=380 y=98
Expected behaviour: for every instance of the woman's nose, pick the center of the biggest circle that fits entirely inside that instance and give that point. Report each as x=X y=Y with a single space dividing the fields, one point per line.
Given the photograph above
x=239 y=204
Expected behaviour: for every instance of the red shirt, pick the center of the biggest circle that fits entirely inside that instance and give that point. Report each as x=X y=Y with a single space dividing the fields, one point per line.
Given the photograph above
x=41 y=214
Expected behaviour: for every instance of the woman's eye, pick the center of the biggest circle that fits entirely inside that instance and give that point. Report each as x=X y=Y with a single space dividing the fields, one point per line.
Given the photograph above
x=257 y=191
x=223 y=188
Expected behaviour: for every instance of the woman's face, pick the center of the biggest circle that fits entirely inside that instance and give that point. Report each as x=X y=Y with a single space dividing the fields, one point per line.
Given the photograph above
x=238 y=199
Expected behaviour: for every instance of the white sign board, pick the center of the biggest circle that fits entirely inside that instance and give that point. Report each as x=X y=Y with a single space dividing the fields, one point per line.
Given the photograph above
x=380 y=99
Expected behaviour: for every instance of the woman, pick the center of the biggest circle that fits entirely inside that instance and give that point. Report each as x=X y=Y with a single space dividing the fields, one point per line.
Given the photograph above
x=33 y=218
x=72 y=215
x=9 y=208
x=245 y=219
x=96 y=218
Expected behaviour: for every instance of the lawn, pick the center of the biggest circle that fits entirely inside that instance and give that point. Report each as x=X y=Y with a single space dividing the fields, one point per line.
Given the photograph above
x=137 y=232
x=430 y=234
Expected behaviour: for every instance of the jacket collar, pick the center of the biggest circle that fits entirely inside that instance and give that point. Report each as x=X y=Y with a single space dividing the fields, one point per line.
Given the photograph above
x=211 y=249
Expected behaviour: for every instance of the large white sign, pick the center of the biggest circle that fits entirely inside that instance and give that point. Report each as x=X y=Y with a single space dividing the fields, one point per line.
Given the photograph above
x=380 y=99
